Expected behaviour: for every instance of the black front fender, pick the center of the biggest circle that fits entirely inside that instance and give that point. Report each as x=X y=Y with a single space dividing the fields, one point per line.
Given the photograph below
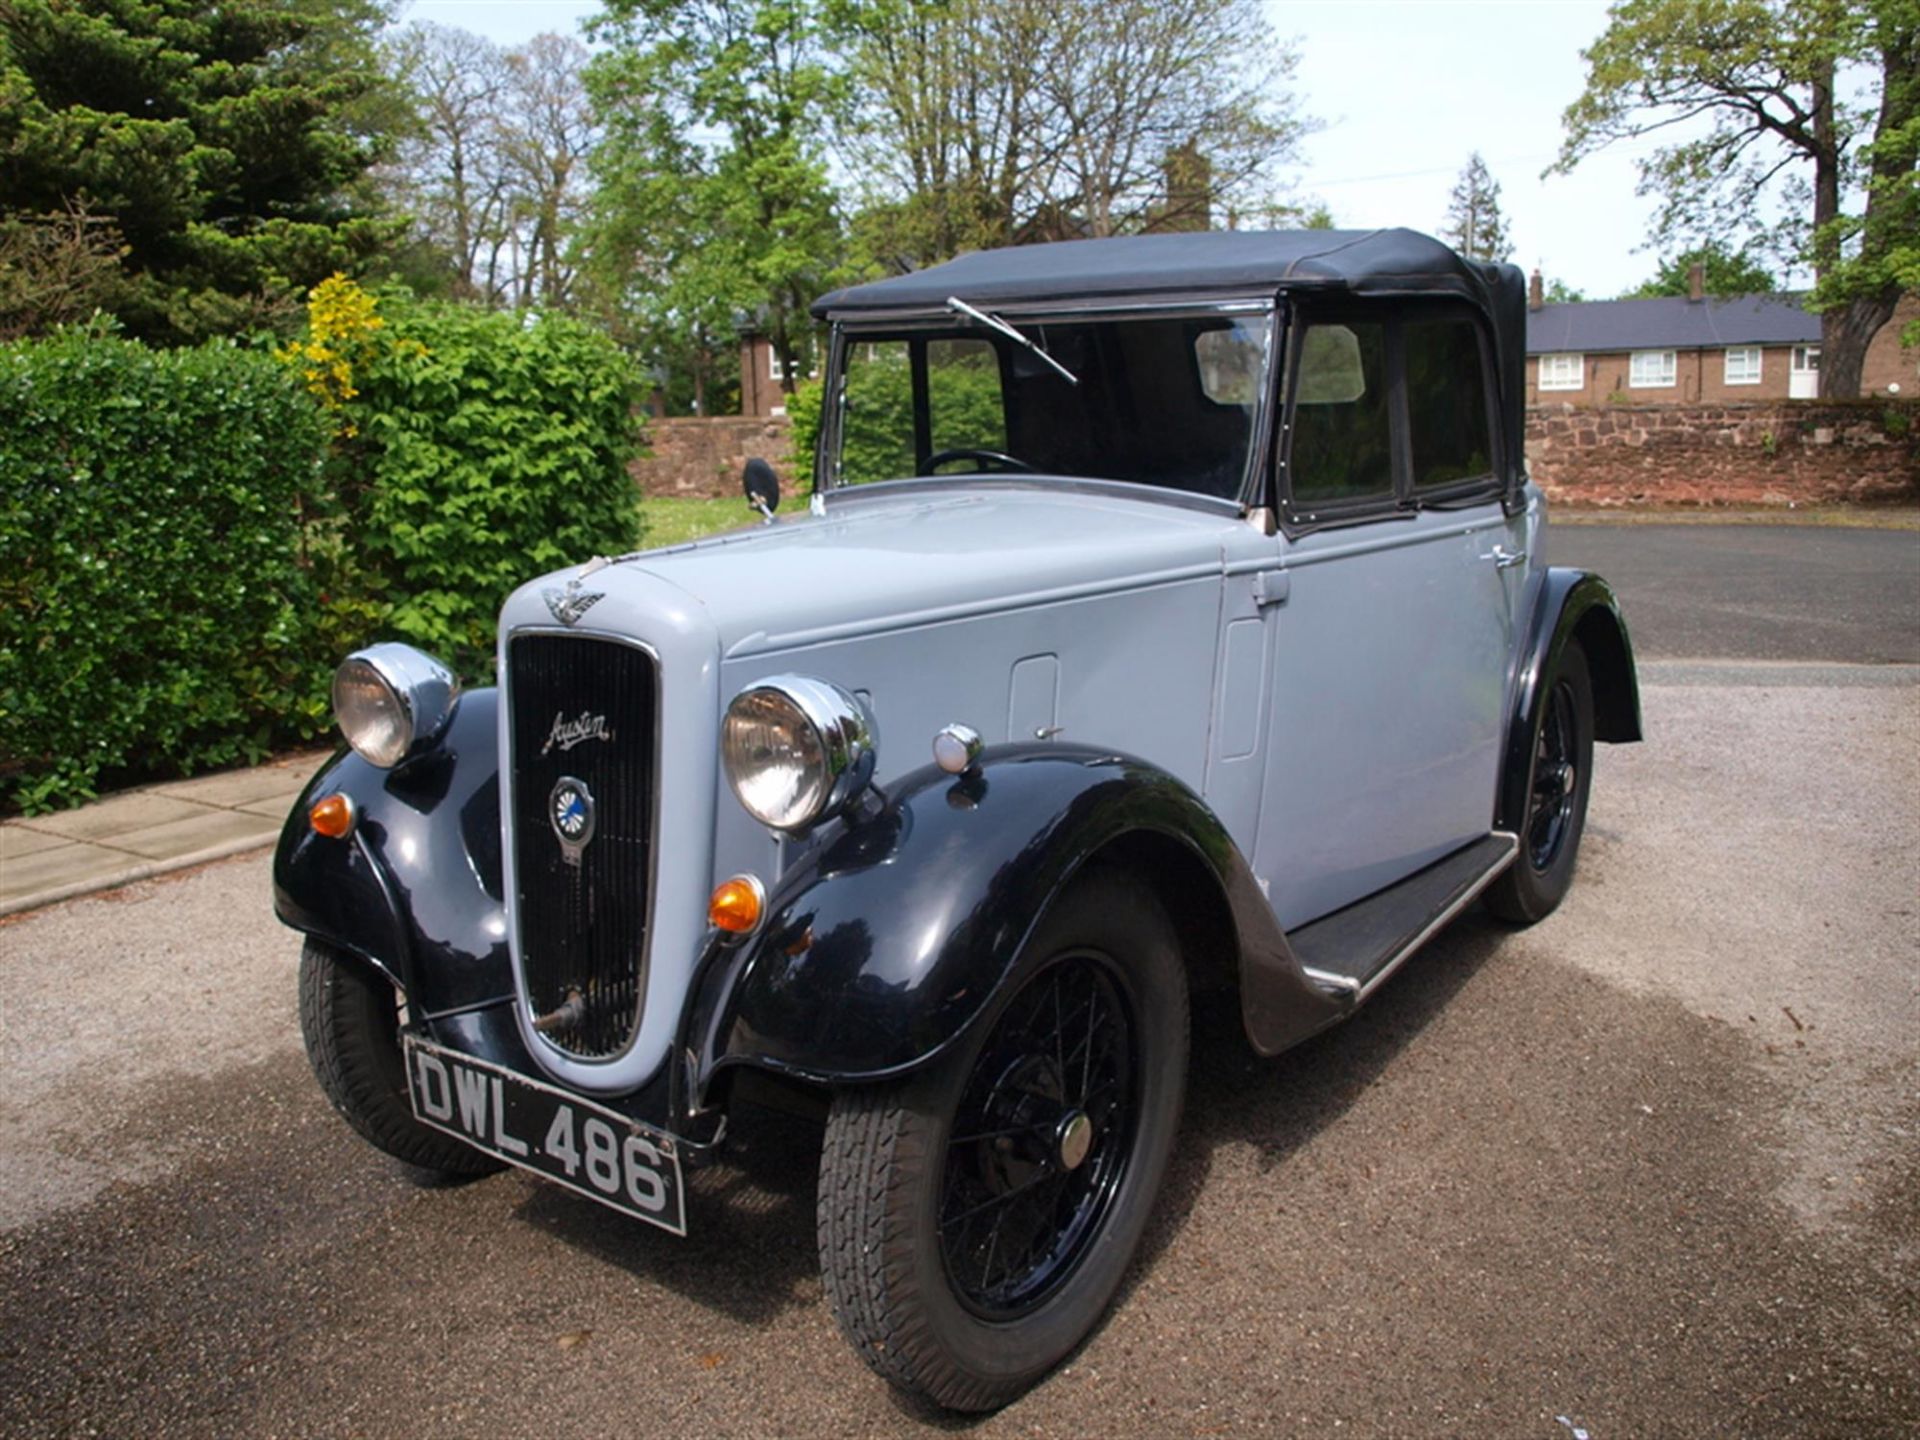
x=885 y=943
x=415 y=889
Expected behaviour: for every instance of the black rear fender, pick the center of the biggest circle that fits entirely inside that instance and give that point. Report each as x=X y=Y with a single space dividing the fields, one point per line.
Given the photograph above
x=1573 y=605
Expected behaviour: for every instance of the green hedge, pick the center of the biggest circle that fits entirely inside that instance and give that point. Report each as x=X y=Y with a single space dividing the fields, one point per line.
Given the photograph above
x=180 y=571
x=153 y=618
x=492 y=447
x=964 y=404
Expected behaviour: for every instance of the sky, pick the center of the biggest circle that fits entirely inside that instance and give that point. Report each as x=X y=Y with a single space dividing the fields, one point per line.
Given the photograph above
x=1405 y=91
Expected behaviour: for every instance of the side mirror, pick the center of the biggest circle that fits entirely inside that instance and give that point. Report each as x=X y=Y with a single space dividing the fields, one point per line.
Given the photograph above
x=762 y=487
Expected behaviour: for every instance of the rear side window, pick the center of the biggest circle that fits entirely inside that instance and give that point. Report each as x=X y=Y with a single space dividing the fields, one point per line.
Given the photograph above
x=1446 y=404
x=1342 y=444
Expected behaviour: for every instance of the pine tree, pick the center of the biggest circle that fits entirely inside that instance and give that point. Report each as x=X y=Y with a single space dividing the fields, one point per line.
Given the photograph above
x=1474 y=225
x=222 y=146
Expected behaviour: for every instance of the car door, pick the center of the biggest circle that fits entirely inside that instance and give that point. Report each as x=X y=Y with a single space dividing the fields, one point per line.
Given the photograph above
x=1391 y=649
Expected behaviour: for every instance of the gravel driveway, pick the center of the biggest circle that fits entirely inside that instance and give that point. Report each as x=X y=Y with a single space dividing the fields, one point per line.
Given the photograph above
x=1651 y=1166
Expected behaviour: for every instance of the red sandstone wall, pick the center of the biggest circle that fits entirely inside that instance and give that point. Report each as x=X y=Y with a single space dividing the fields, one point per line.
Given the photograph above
x=1799 y=452
x=703 y=455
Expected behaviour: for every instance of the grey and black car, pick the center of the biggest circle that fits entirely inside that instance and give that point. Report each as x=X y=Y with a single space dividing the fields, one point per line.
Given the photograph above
x=1166 y=613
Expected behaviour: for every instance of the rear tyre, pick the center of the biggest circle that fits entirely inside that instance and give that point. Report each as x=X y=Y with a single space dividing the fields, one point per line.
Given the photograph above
x=1558 y=782
x=976 y=1219
x=349 y=1018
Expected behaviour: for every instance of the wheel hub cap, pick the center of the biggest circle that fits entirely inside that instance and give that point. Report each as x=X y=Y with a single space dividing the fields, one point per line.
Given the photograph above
x=1073 y=1139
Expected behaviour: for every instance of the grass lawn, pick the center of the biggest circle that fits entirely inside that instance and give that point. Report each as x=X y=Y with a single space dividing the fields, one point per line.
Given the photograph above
x=673 y=521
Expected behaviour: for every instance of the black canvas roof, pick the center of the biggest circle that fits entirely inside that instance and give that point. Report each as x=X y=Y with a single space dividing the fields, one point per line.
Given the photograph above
x=1238 y=261
x=1396 y=262
x=1671 y=322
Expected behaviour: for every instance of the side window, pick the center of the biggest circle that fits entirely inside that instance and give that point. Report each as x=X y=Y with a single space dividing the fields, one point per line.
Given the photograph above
x=877 y=425
x=1342 y=445
x=964 y=404
x=1229 y=360
x=1446 y=403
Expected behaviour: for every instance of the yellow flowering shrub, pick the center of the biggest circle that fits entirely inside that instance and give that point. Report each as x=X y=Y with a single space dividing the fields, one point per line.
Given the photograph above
x=343 y=338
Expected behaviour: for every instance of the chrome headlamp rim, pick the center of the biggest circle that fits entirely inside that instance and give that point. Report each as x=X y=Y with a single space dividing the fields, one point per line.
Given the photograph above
x=422 y=691
x=845 y=731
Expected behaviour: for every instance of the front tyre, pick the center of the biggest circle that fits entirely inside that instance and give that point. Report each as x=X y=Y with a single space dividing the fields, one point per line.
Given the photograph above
x=350 y=1021
x=1559 y=780
x=976 y=1218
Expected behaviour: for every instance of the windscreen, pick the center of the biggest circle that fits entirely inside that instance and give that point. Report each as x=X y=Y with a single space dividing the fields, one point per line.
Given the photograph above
x=1170 y=401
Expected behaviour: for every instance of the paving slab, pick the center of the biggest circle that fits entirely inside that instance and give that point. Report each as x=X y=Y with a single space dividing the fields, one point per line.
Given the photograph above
x=17 y=841
x=104 y=819
x=58 y=871
x=193 y=834
x=236 y=789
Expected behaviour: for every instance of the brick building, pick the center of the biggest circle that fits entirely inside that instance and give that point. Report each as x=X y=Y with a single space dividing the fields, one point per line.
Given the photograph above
x=1688 y=350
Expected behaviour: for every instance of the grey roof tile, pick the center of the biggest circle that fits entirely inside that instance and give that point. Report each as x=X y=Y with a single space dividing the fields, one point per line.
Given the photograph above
x=1671 y=322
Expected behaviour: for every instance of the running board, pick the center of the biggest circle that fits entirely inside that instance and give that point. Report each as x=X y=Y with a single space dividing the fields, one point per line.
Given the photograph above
x=1352 y=951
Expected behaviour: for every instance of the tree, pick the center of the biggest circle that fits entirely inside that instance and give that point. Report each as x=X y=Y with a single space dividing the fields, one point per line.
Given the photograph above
x=1137 y=85
x=1474 y=225
x=987 y=122
x=714 y=207
x=1727 y=273
x=493 y=167
x=1769 y=79
x=544 y=141
x=449 y=173
x=946 y=130
x=1558 y=292
x=56 y=270
x=224 y=145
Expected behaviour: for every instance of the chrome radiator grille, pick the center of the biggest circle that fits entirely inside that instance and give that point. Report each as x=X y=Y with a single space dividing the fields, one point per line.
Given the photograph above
x=583 y=714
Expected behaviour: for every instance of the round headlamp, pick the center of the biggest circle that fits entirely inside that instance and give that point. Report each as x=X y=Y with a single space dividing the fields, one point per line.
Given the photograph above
x=392 y=701
x=796 y=750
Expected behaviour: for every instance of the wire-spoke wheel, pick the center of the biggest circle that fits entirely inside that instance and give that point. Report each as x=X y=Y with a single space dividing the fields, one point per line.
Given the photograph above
x=1557 y=787
x=977 y=1218
x=1040 y=1138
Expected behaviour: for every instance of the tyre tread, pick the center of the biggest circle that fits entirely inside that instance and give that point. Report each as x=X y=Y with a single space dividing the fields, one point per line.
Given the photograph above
x=336 y=1011
x=878 y=1146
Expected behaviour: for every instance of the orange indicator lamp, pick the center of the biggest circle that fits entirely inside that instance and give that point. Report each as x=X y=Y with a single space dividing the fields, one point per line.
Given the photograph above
x=332 y=816
x=737 y=904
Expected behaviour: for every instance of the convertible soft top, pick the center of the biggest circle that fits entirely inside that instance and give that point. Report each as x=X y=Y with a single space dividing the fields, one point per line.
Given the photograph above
x=1382 y=263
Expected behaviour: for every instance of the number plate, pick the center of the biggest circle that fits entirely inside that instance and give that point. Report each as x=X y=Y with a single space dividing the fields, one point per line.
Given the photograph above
x=586 y=1147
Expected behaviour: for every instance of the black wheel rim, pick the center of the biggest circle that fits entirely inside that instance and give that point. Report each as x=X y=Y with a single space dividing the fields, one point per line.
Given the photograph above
x=1041 y=1139
x=1556 y=781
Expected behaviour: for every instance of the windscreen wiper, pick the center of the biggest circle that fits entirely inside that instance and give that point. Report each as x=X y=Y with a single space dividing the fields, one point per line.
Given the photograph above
x=960 y=307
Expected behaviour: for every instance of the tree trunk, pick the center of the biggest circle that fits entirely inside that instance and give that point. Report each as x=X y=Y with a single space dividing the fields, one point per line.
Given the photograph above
x=1841 y=353
x=1845 y=332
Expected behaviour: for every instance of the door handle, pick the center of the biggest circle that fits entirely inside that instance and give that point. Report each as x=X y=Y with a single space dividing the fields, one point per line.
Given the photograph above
x=1505 y=559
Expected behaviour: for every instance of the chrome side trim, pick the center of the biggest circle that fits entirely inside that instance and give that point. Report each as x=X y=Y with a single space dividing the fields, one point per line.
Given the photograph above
x=1358 y=993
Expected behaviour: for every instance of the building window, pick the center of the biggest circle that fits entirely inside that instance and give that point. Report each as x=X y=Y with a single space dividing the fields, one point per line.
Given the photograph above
x=1651 y=370
x=1806 y=359
x=1743 y=365
x=1563 y=372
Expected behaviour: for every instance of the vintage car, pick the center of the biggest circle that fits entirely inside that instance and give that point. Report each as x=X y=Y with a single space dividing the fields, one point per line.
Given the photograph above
x=1168 y=612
